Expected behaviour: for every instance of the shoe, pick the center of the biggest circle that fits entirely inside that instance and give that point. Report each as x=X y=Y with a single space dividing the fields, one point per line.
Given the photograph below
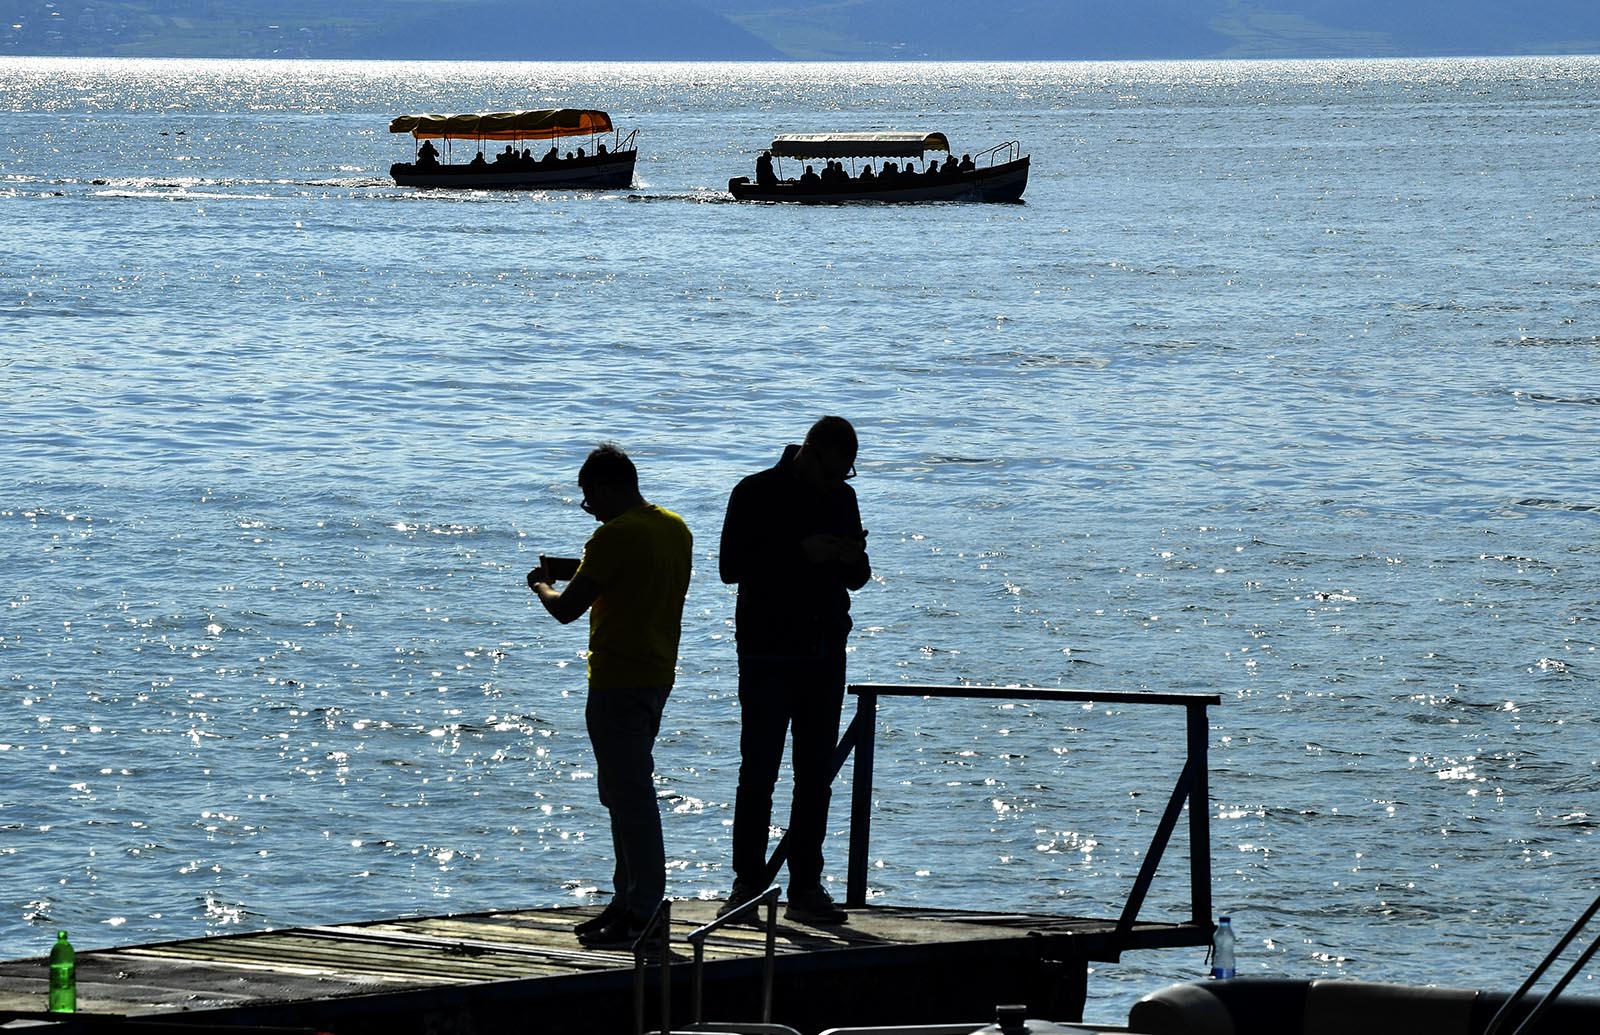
x=814 y=905
x=740 y=894
x=601 y=919
x=619 y=933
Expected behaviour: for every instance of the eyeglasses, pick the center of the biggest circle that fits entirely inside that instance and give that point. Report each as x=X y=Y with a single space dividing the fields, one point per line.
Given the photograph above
x=850 y=473
x=585 y=506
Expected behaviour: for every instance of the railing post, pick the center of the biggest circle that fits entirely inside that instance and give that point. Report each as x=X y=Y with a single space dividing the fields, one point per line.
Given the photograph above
x=659 y=927
x=1199 y=737
x=865 y=726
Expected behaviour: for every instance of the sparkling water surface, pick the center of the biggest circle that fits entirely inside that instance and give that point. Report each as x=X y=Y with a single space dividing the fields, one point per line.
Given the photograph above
x=1280 y=385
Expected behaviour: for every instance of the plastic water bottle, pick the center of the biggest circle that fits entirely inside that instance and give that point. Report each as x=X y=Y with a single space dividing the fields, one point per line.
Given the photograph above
x=1222 y=949
x=63 y=976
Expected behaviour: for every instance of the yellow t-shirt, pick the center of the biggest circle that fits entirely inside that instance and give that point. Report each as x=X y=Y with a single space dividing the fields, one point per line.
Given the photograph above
x=640 y=560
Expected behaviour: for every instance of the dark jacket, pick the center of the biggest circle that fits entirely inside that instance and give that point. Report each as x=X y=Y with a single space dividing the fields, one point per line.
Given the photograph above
x=787 y=606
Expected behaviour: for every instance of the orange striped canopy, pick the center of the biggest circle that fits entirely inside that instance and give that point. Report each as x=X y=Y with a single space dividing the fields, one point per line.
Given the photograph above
x=546 y=124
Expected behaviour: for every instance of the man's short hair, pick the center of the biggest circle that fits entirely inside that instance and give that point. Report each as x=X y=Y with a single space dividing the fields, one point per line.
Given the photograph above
x=833 y=433
x=607 y=464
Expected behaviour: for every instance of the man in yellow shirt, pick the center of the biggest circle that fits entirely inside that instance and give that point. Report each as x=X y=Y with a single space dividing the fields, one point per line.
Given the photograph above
x=632 y=581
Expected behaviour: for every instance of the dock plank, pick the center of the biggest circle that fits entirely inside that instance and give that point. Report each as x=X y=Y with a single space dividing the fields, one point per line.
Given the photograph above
x=484 y=973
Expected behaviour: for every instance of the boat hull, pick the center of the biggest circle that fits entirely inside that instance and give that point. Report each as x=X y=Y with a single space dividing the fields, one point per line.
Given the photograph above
x=1288 y=1006
x=1004 y=182
x=592 y=172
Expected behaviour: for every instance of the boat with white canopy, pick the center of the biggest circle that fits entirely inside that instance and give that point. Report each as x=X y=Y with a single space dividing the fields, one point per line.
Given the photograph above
x=997 y=174
x=517 y=166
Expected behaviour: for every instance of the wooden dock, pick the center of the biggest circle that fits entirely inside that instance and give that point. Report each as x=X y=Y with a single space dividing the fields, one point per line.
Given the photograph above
x=524 y=971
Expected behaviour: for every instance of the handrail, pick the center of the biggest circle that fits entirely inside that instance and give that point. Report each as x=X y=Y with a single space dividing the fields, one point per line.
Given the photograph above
x=1012 y=148
x=698 y=936
x=625 y=143
x=1539 y=971
x=1191 y=787
x=659 y=925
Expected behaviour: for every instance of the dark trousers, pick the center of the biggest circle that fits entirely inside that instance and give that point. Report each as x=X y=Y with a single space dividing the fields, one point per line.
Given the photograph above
x=622 y=729
x=778 y=696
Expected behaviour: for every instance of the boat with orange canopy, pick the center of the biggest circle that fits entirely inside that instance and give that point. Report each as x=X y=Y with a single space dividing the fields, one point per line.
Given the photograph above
x=517 y=166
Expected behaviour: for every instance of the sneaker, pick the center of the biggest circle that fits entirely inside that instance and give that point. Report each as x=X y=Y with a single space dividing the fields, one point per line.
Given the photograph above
x=620 y=932
x=814 y=905
x=740 y=894
x=599 y=920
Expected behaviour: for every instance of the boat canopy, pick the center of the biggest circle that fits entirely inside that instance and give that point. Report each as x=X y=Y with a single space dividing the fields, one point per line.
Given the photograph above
x=858 y=145
x=547 y=124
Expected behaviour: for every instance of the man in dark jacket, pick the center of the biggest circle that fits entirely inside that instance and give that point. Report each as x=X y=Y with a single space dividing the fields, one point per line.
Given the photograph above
x=794 y=544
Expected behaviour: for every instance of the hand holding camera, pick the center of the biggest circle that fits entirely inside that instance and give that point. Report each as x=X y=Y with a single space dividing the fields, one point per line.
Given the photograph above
x=553 y=569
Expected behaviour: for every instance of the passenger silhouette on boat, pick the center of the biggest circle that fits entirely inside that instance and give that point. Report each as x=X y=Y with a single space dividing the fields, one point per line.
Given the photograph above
x=950 y=167
x=793 y=543
x=866 y=173
x=551 y=155
x=631 y=581
x=580 y=152
x=809 y=178
x=478 y=161
x=765 y=177
x=427 y=154
x=599 y=150
x=891 y=172
x=967 y=164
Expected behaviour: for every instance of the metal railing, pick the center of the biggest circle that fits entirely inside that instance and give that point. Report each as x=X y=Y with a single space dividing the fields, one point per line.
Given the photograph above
x=1191 y=788
x=657 y=937
x=659 y=930
x=698 y=936
x=999 y=154
x=1562 y=982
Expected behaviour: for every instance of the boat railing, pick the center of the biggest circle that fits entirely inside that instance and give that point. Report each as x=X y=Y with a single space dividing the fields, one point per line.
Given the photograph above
x=1191 y=788
x=625 y=143
x=1000 y=154
x=1562 y=982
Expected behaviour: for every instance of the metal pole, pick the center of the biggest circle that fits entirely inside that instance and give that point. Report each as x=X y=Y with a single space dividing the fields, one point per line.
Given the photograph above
x=697 y=984
x=769 y=964
x=865 y=726
x=1199 y=736
x=666 y=961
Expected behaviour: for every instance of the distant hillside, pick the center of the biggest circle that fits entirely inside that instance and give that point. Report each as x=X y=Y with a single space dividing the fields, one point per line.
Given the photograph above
x=489 y=30
x=802 y=29
x=1135 y=29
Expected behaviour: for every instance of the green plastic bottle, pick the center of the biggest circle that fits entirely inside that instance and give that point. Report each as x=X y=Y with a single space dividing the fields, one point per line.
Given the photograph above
x=63 y=976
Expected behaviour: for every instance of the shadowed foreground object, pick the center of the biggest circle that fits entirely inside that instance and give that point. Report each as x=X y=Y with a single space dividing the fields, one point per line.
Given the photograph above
x=488 y=972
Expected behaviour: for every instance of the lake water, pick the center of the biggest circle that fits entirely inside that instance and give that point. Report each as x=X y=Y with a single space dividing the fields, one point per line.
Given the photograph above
x=1282 y=384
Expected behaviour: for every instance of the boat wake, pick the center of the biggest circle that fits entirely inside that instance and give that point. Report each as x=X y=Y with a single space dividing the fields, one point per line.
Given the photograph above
x=703 y=197
x=1546 y=504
